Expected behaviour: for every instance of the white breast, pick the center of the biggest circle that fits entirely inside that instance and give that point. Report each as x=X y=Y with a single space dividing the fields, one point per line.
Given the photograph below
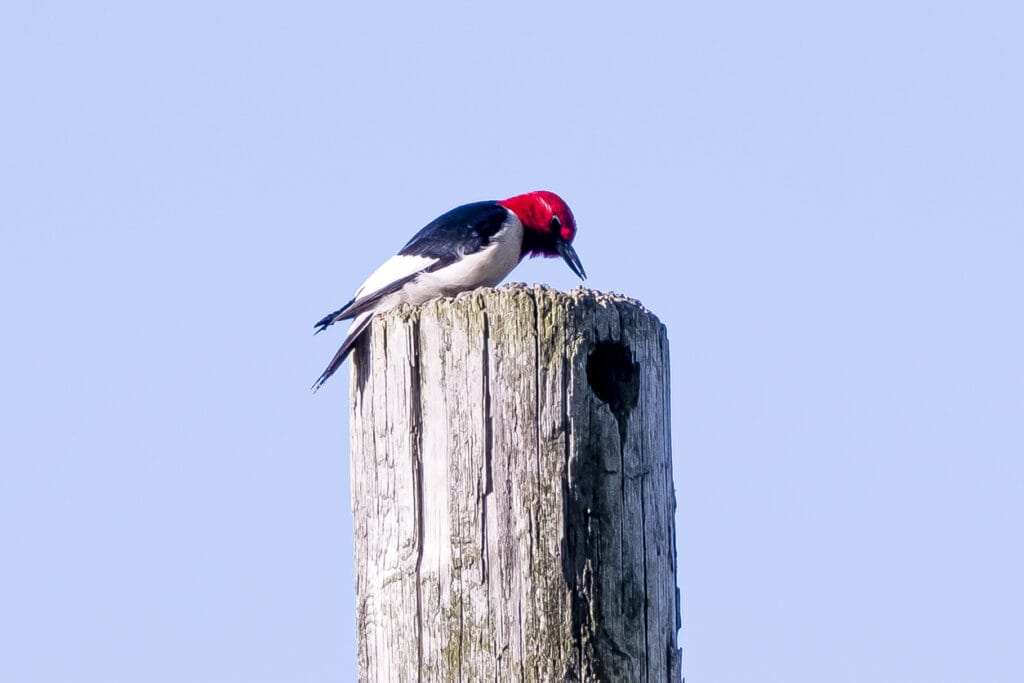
x=485 y=268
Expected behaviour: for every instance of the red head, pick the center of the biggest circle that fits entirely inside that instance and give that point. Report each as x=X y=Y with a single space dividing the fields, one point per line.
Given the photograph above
x=548 y=226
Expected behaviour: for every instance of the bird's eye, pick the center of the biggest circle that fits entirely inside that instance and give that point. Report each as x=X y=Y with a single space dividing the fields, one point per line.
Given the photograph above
x=556 y=224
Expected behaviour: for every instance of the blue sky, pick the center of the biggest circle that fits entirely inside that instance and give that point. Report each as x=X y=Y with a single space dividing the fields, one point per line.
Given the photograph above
x=824 y=202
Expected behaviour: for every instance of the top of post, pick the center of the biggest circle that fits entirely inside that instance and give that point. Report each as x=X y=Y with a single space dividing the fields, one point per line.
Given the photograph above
x=497 y=297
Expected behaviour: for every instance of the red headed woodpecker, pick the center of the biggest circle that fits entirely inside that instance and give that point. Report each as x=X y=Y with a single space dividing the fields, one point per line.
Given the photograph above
x=474 y=245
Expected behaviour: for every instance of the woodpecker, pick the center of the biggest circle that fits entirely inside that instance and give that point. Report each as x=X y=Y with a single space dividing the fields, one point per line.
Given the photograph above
x=473 y=245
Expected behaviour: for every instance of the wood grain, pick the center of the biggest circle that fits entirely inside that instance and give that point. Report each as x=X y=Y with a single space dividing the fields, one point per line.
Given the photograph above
x=512 y=491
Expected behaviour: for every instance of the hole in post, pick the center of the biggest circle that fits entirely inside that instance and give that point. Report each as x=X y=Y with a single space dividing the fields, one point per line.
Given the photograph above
x=614 y=377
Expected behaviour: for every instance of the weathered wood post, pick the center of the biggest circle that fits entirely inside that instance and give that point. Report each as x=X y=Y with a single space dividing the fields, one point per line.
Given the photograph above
x=512 y=491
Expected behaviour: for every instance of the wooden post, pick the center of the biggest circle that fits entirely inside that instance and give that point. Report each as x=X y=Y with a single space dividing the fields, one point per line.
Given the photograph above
x=512 y=491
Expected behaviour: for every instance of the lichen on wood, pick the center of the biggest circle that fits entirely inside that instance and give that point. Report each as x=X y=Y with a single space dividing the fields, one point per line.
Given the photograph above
x=512 y=491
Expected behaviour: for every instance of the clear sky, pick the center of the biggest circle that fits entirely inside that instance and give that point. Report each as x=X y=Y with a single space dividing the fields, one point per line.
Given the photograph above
x=824 y=202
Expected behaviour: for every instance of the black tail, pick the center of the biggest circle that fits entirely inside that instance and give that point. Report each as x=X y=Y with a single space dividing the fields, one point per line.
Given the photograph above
x=358 y=327
x=366 y=303
x=332 y=318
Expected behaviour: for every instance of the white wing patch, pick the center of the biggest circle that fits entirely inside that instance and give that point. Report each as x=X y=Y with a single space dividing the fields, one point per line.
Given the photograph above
x=484 y=268
x=395 y=268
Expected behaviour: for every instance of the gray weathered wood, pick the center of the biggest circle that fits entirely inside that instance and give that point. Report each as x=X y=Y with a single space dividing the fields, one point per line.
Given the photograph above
x=512 y=491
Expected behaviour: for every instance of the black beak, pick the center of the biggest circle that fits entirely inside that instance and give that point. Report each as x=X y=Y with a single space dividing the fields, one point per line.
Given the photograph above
x=569 y=254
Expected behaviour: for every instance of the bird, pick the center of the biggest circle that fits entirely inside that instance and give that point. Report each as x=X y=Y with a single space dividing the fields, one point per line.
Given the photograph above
x=470 y=246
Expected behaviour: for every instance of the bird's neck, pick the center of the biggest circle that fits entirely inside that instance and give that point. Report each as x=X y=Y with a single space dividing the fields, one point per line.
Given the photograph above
x=535 y=245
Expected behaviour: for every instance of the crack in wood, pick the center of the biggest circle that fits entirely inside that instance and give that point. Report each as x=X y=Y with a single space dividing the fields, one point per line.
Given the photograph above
x=416 y=411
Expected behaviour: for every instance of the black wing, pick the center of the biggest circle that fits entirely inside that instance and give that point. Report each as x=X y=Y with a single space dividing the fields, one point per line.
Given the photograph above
x=468 y=228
